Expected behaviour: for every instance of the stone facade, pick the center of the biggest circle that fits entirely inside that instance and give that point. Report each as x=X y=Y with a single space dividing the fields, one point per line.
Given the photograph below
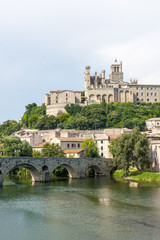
x=115 y=89
x=42 y=168
x=67 y=143
x=29 y=135
x=153 y=125
x=57 y=100
x=98 y=88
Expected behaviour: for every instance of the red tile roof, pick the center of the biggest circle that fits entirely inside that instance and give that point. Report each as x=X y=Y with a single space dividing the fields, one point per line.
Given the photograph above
x=73 y=151
x=40 y=145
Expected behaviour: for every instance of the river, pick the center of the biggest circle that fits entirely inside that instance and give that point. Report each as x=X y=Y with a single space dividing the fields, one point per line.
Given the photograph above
x=85 y=209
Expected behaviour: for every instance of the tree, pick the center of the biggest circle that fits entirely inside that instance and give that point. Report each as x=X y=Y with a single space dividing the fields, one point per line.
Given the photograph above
x=130 y=150
x=13 y=146
x=91 y=149
x=46 y=122
x=9 y=128
x=32 y=114
x=52 y=150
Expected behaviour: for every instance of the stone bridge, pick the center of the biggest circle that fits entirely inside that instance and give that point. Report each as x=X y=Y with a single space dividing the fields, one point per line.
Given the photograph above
x=42 y=168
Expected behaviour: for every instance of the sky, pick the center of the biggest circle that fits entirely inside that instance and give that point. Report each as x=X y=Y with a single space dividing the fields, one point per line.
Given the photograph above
x=46 y=44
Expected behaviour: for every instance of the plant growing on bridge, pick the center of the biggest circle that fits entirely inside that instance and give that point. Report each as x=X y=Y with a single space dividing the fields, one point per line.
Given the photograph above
x=130 y=150
x=91 y=149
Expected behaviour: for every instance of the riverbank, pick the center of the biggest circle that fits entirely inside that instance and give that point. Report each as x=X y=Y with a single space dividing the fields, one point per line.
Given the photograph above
x=137 y=176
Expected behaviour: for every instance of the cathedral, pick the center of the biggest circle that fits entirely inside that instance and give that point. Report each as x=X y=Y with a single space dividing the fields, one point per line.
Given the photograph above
x=115 y=89
x=98 y=88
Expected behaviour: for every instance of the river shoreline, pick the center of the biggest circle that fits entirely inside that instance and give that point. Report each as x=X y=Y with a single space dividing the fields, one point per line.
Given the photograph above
x=137 y=176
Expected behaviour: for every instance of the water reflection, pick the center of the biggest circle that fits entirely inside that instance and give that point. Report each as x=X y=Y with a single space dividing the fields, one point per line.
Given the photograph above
x=93 y=208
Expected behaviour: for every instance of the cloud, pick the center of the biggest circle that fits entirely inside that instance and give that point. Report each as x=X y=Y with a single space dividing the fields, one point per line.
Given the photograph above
x=45 y=45
x=140 y=57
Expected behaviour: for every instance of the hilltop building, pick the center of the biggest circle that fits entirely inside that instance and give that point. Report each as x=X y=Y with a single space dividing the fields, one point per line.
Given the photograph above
x=115 y=89
x=98 y=88
x=57 y=100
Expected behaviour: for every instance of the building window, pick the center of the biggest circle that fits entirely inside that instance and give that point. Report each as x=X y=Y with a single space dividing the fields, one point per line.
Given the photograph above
x=137 y=93
x=101 y=141
x=141 y=88
x=142 y=100
x=147 y=99
x=101 y=148
x=151 y=88
x=73 y=145
x=141 y=93
x=101 y=154
x=151 y=94
x=66 y=95
x=147 y=88
x=137 y=88
x=79 y=145
x=68 y=145
x=147 y=94
x=155 y=88
x=137 y=99
x=155 y=99
x=155 y=94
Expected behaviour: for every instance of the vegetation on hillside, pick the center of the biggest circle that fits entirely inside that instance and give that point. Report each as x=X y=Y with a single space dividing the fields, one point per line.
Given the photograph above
x=94 y=116
x=9 y=127
x=32 y=114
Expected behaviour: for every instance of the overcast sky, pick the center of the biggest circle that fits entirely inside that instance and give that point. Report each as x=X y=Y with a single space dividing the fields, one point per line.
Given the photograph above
x=46 y=44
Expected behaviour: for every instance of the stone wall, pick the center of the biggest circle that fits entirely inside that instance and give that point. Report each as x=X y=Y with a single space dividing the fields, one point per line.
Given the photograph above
x=42 y=168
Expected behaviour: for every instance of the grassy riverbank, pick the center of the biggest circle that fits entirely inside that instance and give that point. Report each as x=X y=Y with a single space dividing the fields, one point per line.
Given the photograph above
x=137 y=176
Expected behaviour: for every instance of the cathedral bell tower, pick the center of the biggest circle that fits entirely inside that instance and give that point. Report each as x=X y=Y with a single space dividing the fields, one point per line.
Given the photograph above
x=116 y=72
x=87 y=77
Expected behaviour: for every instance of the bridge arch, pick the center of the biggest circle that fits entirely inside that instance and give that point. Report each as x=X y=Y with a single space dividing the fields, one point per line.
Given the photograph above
x=71 y=171
x=45 y=168
x=35 y=174
x=95 y=168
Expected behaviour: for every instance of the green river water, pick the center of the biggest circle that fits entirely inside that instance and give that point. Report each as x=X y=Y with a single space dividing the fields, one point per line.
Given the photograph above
x=85 y=209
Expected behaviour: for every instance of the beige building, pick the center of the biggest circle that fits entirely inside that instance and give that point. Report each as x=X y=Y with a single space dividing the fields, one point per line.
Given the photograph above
x=155 y=155
x=38 y=147
x=29 y=135
x=115 y=89
x=98 y=88
x=68 y=143
x=153 y=125
x=57 y=100
x=75 y=153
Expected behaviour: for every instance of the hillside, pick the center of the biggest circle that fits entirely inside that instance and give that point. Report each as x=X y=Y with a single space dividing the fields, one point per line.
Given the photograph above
x=95 y=116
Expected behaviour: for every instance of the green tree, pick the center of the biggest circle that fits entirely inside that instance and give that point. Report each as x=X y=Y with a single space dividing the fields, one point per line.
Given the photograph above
x=32 y=114
x=52 y=150
x=37 y=153
x=91 y=149
x=130 y=150
x=13 y=146
x=46 y=122
x=9 y=128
